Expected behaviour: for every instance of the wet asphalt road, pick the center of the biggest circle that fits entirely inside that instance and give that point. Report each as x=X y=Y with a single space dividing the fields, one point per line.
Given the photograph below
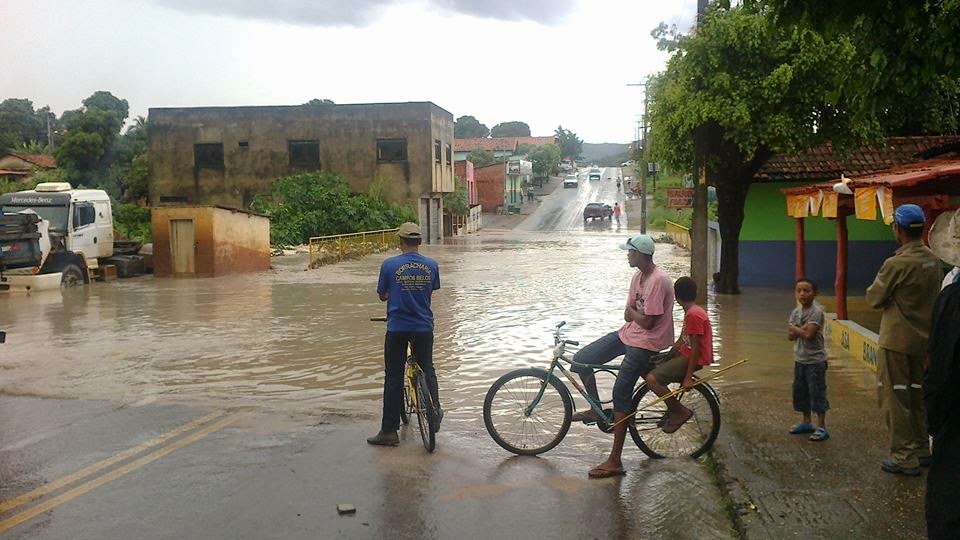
x=237 y=407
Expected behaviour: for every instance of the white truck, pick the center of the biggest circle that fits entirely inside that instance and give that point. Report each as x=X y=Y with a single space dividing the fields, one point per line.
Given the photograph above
x=53 y=235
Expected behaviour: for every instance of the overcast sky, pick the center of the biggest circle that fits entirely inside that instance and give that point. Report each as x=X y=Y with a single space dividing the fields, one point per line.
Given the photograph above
x=544 y=62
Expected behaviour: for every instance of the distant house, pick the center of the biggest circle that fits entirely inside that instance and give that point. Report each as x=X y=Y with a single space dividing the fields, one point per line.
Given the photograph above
x=228 y=155
x=17 y=166
x=500 y=186
x=500 y=146
x=768 y=236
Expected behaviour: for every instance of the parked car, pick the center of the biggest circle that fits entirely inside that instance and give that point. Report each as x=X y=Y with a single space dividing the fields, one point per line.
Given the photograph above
x=571 y=180
x=597 y=210
x=594 y=174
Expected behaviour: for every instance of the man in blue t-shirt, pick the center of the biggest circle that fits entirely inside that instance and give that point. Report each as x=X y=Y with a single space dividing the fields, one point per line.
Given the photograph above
x=406 y=284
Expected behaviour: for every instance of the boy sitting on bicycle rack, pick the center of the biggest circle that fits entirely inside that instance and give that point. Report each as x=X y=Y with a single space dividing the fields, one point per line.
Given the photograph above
x=692 y=351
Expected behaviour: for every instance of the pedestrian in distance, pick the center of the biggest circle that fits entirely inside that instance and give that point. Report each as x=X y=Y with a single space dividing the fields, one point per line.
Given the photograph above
x=692 y=350
x=616 y=211
x=941 y=389
x=805 y=330
x=905 y=290
x=648 y=328
x=406 y=284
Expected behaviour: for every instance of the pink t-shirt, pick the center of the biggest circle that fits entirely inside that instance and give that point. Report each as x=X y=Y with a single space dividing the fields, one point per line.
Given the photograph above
x=653 y=295
x=696 y=325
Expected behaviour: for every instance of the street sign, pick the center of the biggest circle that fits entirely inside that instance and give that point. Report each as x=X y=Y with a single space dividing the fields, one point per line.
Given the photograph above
x=679 y=198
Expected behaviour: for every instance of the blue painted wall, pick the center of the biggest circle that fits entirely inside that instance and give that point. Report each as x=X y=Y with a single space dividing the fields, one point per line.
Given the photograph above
x=770 y=263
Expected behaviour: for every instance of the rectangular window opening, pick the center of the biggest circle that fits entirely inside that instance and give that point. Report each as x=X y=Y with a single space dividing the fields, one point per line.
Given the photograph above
x=438 y=151
x=208 y=156
x=391 y=150
x=304 y=154
x=244 y=144
x=449 y=155
x=168 y=199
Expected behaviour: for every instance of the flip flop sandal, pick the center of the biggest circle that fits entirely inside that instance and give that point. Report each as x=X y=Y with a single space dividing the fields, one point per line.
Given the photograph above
x=820 y=434
x=802 y=427
x=597 y=473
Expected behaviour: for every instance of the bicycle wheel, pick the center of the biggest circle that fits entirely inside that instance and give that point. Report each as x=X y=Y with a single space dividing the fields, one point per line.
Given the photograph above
x=504 y=412
x=694 y=438
x=426 y=415
x=407 y=407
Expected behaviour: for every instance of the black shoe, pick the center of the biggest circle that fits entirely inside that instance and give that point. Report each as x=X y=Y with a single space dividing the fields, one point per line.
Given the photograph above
x=891 y=466
x=439 y=418
x=385 y=438
x=925 y=461
x=588 y=416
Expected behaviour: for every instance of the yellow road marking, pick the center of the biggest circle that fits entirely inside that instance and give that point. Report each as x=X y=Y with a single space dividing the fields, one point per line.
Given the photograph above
x=67 y=496
x=6 y=506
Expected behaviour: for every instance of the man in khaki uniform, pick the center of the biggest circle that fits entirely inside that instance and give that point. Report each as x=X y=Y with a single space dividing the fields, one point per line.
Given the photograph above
x=905 y=289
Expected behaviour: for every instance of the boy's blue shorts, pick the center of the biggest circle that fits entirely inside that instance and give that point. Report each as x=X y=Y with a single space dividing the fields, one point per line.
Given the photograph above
x=810 y=387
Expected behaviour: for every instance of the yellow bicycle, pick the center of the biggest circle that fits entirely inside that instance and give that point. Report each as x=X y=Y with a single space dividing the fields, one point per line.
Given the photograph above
x=417 y=400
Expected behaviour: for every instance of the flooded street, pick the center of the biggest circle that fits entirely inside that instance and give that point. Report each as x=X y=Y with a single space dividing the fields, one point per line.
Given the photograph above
x=258 y=390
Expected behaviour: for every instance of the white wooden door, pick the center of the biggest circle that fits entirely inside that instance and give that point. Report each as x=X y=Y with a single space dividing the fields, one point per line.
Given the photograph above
x=182 y=246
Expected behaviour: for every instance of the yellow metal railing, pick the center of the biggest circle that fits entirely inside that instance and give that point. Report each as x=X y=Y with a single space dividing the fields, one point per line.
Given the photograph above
x=339 y=247
x=679 y=234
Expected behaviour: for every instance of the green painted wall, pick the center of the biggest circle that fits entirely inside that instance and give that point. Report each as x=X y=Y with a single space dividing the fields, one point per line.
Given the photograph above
x=765 y=218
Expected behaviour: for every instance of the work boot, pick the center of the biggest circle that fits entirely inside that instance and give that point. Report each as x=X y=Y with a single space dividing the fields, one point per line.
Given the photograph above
x=385 y=438
x=891 y=466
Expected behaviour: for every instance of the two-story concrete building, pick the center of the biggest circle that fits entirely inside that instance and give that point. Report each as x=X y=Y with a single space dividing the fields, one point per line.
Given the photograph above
x=227 y=155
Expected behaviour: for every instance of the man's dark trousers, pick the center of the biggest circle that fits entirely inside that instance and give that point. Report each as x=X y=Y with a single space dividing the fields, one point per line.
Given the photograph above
x=394 y=360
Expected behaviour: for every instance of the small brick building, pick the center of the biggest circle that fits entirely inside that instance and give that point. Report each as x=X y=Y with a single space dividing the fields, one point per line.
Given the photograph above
x=208 y=241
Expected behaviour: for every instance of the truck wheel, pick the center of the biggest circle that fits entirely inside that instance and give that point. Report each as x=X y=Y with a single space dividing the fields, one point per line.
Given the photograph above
x=72 y=276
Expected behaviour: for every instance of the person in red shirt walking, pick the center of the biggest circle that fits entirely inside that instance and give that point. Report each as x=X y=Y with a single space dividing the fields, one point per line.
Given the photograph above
x=692 y=351
x=616 y=211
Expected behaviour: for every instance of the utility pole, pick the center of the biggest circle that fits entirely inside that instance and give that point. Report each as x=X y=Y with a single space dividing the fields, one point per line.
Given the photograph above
x=642 y=139
x=699 y=256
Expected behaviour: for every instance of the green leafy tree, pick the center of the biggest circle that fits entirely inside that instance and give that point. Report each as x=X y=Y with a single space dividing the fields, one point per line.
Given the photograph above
x=510 y=129
x=545 y=159
x=468 y=127
x=126 y=178
x=319 y=204
x=570 y=145
x=458 y=202
x=319 y=102
x=907 y=68
x=751 y=89
x=133 y=222
x=481 y=158
x=86 y=151
x=20 y=124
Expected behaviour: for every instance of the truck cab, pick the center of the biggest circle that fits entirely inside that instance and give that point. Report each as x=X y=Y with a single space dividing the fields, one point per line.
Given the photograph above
x=77 y=226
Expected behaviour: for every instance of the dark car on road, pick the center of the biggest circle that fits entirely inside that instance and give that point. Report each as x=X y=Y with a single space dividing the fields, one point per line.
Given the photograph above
x=597 y=210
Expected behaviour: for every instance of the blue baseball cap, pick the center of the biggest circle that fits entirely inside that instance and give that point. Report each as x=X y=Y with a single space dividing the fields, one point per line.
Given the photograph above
x=909 y=216
x=641 y=243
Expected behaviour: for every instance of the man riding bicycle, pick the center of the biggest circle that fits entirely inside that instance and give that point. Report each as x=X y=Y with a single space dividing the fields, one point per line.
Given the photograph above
x=648 y=329
x=406 y=284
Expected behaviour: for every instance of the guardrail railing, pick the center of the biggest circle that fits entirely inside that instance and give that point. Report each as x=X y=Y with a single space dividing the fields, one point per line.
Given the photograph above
x=679 y=234
x=338 y=247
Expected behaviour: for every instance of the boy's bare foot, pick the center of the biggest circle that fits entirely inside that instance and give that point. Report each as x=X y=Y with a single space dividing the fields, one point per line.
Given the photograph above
x=607 y=469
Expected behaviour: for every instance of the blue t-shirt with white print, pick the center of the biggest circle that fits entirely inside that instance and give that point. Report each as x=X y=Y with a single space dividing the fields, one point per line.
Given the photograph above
x=410 y=280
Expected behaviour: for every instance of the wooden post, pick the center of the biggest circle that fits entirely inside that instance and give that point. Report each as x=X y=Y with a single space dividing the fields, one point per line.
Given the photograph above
x=840 y=286
x=800 y=268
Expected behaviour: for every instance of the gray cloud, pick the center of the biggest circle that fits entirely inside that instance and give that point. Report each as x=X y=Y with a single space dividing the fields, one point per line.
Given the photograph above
x=362 y=12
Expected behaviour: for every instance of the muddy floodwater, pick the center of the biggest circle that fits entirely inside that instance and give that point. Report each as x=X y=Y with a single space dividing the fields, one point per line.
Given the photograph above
x=292 y=338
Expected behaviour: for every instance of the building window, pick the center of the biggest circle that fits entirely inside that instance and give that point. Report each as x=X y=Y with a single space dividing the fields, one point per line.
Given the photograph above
x=244 y=144
x=438 y=151
x=389 y=150
x=304 y=154
x=208 y=156
x=449 y=155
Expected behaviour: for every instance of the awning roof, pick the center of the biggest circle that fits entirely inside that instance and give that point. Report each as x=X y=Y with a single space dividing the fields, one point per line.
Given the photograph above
x=906 y=176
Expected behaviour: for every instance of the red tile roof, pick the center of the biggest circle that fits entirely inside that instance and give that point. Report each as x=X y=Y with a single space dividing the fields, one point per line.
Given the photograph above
x=905 y=176
x=40 y=160
x=499 y=144
x=824 y=163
